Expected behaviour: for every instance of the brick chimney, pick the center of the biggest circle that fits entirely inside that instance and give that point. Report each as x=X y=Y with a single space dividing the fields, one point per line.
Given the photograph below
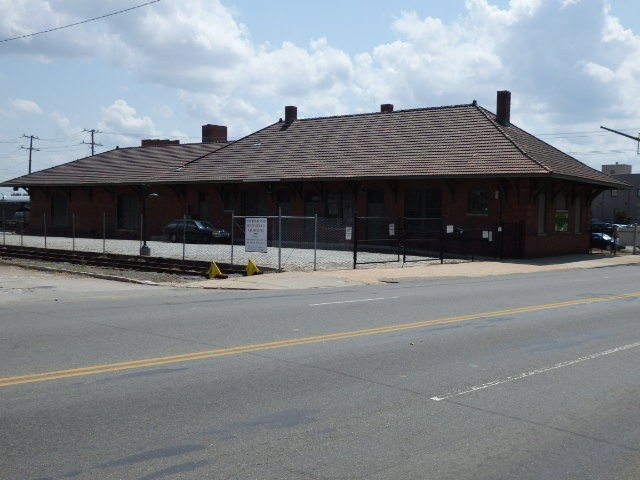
x=386 y=108
x=503 y=108
x=154 y=142
x=290 y=114
x=214 y=134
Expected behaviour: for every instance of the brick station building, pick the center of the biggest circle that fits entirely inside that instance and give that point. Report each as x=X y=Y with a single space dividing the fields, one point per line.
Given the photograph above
x=463 y=165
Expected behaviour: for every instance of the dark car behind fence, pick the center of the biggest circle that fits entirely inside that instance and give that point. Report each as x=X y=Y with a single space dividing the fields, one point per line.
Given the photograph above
x=199 y=231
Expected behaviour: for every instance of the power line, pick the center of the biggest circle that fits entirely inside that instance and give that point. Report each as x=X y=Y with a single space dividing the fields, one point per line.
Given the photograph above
x=588 y=133
x=65 y=148
x=568 y=133
x=78 y=23
x=132 y=135
x=625 y=151
x=63 y=139
x=17 y=154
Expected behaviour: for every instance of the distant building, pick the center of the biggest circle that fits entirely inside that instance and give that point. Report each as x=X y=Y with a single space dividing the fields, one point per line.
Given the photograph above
x=617 y=169
x=618 y=206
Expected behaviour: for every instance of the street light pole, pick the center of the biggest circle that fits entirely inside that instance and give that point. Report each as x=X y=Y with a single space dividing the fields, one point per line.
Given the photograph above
x=637 y=139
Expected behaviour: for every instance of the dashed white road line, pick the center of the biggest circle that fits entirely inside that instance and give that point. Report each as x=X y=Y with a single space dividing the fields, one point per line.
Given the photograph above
x=352 y=301
x=536 y=372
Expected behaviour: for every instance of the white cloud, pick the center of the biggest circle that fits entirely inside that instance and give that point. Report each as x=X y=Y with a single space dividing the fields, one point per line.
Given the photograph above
x=432 y=60
x=199 y=47
x=23 y=18
x=295 y=72
x=164 y=111
x=20 y=106
x=562 y=60
x=599 y=72
x=121 y=117
x=62 y=122
x=615 y=32
x=211 y=108
x=568 y=63
x=618 y=66
x=193 y=45
x=189 y=43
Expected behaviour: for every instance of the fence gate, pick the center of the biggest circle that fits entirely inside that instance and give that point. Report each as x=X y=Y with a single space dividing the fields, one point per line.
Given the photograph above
x=423 y=239
x=376 y=240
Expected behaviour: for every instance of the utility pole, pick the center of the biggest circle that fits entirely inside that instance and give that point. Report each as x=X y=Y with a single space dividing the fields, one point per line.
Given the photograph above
x=93 y=131
x=31 y=149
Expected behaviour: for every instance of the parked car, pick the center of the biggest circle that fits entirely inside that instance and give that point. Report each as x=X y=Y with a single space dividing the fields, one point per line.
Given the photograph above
x=18 y=221
x=195 y=231
x=604 y=227
x=603 y=241
x=610 y=230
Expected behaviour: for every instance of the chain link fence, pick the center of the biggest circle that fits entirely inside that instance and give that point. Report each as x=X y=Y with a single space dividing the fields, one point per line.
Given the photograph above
x=284 y=243
x=292 y=242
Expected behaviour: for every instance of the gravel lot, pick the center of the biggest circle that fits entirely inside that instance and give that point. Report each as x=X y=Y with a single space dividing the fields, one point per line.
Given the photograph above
x=289 y=259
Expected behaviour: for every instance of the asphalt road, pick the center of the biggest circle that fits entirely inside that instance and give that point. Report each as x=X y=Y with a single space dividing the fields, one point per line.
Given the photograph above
x=522 y=376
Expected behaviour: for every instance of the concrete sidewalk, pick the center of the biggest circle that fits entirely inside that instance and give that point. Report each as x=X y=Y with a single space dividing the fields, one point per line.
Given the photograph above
x=392 y=273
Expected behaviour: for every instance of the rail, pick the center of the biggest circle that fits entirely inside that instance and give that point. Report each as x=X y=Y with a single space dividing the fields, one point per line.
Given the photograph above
x=110 y=260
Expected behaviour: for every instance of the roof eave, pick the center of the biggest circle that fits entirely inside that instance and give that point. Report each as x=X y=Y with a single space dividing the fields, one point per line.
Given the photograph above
x=619 y=184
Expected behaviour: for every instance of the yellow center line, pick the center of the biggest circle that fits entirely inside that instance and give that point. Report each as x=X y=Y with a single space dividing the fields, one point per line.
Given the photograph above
x=257 y=347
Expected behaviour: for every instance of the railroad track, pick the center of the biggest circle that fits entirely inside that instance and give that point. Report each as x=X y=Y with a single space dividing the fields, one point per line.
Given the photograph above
x=111 y=260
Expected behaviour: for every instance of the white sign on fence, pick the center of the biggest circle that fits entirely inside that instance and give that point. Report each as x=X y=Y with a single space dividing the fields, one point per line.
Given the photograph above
x=255 y=236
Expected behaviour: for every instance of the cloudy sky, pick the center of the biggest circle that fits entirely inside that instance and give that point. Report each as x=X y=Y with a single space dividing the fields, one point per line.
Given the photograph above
x=166 y=68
